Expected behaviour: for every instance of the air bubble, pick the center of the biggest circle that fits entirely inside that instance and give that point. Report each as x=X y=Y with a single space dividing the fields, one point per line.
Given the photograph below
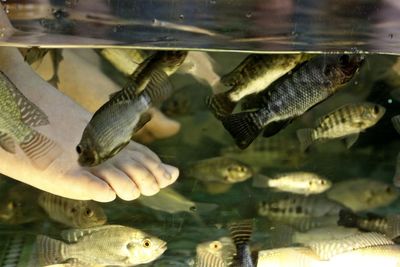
x=181 y=17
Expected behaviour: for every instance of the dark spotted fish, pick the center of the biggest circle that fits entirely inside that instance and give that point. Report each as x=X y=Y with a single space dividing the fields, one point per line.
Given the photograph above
x=253 y=75
x=292 y=95
x=18 y=116
x=72 y=213
x=345 y=122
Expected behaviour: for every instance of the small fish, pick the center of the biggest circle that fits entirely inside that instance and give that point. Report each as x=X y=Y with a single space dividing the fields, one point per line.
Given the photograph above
x=293 y=95
x=218 y=253
x=241 y=234
x=70 y=212
x=388 y=225
x=219 y=173
x=304 y=183
x=18 y=116
x=56 y=58
x=19 y=206
x=170 y=201
x=104 y=245
x=345 y=122
x=301 y=212
x=288 y=257
x=113 y=125
x=253 y=75
x=363 y=194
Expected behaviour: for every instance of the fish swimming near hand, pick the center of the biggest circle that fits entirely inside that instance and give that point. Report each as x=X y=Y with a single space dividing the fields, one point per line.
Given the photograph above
x=219 y=173
x=363 y=194
x=114 y=245
x=72 y=213
x=345 y=122
x=18 y=116
x=304 y=183
x=387 y=225
x=113 y=125
x=253 y=75
x=292 y=95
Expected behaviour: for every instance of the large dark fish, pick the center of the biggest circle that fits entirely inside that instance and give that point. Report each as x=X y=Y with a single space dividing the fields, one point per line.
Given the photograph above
x=241 y=234
x=293 y=95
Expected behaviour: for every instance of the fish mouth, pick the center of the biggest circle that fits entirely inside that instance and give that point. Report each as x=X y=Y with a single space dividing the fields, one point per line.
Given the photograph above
x=163 y=247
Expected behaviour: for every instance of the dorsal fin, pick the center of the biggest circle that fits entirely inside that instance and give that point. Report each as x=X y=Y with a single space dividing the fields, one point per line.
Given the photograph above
x=31 y=115
x=74 y=235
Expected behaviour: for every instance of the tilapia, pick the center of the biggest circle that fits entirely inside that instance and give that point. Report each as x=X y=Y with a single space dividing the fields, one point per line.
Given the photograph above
x=218 y=253
x=293 y=95
x=387 y=225
x=323 y=234
x=241 y=233
x=72 y=213
x=113 y=125
x=219 y=173
x=345 y=122
x=363 y=194
x=19 y=205
x=104 y=245
x=303 y=213
x=253 y=75
x=18 y=116
x=304 y=183
x=288 y=257
x=170 y=201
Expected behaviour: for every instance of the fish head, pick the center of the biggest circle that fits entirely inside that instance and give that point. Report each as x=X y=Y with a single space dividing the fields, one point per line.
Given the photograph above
x=341 y=68
x=372 y=112
x=222 y=250
x=236 y=172
x=88 y=151
x=144 y=248
x=172 y=60
x=319 y=184
x=88 y=214
x=380 y=194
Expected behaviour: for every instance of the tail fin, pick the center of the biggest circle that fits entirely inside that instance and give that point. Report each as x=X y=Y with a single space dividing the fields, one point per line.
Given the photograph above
x=261 y=181
x=40 y=150
x=243 y=127
x=220 y=104
x=50 y=251
x=305 y=137
x=347 y=218
x=396 y=123
x=396 y=178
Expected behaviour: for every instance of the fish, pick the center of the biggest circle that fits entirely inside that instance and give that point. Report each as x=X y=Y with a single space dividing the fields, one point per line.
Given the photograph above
x=219 y=173
x=304 y=183
x=72 y=213
x=34 y=54
x=56 y=58
x=18 y=116
x=19 y=206
x=387 y=225
x=363 y=194
x=241 y=233
x=288 y=257
x=396 y=177
x=217 y=253
x=124 y=60
x=323 y=233
x=291 y=96
x=170 y=201
x=255 y=73
x=113 y=125
x=301 y=212
x=102 y=245
x=345 y=122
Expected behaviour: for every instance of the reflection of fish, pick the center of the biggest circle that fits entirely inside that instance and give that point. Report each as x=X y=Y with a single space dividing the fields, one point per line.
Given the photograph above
x=113 y=125
x=73 y=213
x=218 y=253
x=293 y=95
x=219 y=173
x=304 y=183
x=301 y=212
x=17 y=117
x=253 y=75
x=19 y=205
x=345 y=122
x=168 y=200
x=363 y=194
x=103 y=245
x=388 y=225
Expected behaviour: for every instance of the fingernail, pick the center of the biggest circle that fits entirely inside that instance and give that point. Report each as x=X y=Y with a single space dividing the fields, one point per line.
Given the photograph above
x=172 y=171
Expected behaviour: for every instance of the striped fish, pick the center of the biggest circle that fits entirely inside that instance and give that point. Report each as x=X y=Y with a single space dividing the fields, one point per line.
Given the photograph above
x=345 y=122
x=217 y=253
x=17 y=117
x=72 y=213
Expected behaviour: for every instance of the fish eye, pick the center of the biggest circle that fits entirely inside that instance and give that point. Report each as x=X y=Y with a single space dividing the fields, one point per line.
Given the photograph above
x=79 y=149
x=388 y=189
x=216 y=245
x=73 y=210
x=146 y=243
x=89 y=212
x=310 y=183
x=344 y=59
x=376 y=109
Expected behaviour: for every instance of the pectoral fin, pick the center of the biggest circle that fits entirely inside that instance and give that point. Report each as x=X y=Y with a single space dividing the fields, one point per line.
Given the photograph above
x=145 y=118
x=350 y=140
